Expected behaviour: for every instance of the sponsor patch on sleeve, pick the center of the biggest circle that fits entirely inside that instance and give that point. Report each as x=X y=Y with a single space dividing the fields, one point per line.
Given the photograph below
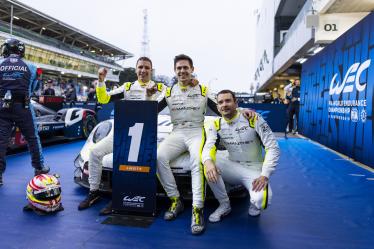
x=265 y=128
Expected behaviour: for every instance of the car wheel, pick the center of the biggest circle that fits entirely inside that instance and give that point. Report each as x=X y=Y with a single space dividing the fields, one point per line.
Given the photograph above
x=88 y=125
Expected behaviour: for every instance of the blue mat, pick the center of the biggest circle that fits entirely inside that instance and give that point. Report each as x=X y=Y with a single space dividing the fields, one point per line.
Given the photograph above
x=320 y=201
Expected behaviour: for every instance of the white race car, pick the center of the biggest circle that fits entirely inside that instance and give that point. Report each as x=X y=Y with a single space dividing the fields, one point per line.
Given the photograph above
x=180 y=166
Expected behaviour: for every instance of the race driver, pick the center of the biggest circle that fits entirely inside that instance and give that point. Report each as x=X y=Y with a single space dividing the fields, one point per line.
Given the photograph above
x=187 y=101
x=142 y=89
x=245 y=164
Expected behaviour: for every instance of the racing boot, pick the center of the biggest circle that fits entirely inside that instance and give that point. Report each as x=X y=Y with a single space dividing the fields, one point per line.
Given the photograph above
x=42 y=170
x=253 y=210
x=197 y=223
x=175 y=208
x=107 y=209
x=1 y=179
x=92 y=198
x=223 y=210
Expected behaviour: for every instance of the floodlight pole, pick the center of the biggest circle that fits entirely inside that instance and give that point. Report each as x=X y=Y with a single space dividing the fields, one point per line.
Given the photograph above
x=11 y=19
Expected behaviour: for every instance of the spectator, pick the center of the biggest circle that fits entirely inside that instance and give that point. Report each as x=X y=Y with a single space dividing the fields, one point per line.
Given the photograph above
x=49 y=90
x=294 y=104
x=276 y=99
x=71 y=93
x=91 y=96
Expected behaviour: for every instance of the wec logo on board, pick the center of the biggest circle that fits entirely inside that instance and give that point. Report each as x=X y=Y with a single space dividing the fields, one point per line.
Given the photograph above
x=134 y=199
x=352 y=77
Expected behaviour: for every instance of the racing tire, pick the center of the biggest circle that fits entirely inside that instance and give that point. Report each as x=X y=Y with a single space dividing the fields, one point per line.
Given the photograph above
x=88 y=125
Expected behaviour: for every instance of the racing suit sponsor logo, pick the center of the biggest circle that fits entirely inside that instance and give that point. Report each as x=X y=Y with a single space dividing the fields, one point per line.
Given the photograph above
x=196 y=95
x=136 y=201
x=241 y=129
x=238 y=142
x=186 y=108
x=228 y=137
x=265 y=128
x=13 y=68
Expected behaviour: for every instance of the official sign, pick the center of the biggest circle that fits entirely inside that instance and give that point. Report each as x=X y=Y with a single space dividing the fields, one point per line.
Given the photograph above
x=134 y=157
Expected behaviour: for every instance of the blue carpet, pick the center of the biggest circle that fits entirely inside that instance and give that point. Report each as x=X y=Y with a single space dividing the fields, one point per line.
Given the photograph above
x=320 y=201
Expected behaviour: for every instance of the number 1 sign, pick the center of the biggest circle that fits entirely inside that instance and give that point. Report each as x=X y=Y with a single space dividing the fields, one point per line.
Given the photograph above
x=134 y=157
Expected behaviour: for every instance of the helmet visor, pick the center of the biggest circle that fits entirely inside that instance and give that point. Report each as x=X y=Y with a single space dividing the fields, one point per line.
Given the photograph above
x=48 y=194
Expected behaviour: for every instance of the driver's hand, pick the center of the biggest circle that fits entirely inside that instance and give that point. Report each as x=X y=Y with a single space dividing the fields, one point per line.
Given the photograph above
x=211 y=172
x=151 y=89
x=194 y=82
x=260 y=183
x=102 y=74
x=248 y=113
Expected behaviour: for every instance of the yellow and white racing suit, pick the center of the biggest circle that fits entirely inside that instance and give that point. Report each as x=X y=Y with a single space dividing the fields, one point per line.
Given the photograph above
x=128 y=91
x=244 y=141
x=187 y=107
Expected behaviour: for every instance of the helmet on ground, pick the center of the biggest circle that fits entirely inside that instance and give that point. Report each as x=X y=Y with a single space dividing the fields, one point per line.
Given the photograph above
x=12 y=46
x=44 y=193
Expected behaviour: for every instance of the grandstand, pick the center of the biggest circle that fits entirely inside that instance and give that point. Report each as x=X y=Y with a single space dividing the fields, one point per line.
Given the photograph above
x=65 y=53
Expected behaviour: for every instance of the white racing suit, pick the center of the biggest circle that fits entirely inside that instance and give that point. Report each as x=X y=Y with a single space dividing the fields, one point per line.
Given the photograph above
x=187 y=107
x=128 y=91
x=243 y=140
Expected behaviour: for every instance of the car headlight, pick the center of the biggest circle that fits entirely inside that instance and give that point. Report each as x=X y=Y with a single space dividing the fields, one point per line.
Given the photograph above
x=102 y=131
x=78 y=161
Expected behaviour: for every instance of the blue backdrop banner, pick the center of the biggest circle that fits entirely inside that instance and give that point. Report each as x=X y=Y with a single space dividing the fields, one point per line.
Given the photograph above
x=336 y=106
x=274 y=114
x=134 y=157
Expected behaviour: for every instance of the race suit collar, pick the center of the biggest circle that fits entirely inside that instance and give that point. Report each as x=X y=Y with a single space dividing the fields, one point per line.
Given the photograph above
x=142 y=84
x=230 y=121
x=185 y=87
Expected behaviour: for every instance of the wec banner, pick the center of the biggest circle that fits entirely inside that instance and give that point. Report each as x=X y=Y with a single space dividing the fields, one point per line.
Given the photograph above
x=337 y=87
x=274 y=114
x=134 y=157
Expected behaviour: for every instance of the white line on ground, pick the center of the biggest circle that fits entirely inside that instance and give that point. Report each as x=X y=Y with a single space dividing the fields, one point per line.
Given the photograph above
x=356 y=175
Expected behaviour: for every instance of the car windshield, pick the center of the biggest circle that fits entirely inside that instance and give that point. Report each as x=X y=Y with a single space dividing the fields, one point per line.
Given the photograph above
x=209 y=112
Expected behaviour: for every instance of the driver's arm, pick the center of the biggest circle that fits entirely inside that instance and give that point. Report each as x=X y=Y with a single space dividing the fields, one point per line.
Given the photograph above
x=162 y=104
x=104 y=97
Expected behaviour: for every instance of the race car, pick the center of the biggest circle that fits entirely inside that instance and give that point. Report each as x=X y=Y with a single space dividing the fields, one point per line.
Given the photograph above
x=180 y=166
x=65 y=123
